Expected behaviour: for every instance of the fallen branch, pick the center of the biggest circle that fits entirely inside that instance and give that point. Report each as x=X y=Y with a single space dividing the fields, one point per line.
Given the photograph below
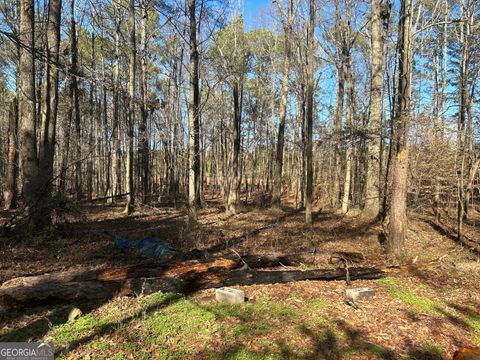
x=185 y=277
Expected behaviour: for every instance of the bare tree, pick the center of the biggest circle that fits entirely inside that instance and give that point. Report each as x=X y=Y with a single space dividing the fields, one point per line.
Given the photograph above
x=27 y=108
x=287 y=23
x=131 y=109
x=193 y=117
x=144 y=138
x=50 y=106
x=398 y=206
x=310 y=106
x=372 y=186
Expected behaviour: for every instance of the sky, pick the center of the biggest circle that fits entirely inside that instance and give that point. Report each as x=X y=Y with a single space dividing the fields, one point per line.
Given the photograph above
x=254 y=11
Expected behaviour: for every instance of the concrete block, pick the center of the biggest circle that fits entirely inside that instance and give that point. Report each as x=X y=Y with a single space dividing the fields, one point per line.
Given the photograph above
x=359 y=293
x=229 y=295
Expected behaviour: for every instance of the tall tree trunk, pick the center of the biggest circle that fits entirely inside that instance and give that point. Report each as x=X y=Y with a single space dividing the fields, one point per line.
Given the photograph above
x=74 y=98
x=116 y=154
x=144 y=166
x=372 y=186
x=347 y=179
x=233 y=195
x=193 y=117
x=466 y=108
x=91 y=142
x=338 y=123
x=50 y=106
x=26 y=106
x=131 y=110
x=338 y=132
x=282 y=111
x=10 y=193
x=463 y=126
x=310 y=104
x=444 y=68
x=398 y=207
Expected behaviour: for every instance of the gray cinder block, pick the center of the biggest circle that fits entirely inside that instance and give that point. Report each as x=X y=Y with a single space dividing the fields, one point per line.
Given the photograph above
x=229 y=295
x=359 y=293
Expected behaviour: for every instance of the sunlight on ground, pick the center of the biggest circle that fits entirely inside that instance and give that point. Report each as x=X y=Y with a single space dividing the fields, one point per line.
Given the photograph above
x=169 y=326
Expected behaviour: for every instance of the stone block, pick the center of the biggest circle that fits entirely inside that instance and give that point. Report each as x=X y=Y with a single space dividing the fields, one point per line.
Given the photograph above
x=355 y=294
x=229 y=295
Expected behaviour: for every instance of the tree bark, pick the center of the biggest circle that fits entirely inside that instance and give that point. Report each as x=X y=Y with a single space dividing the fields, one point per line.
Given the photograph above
x=144 y=139
x=372 y=186
x=131 y=111
x=193 y=118
x=398 y=207
x=116 y=153
x=91 y=113
x=282 y=112
x=310 y=105
x=346 y=55
x=50 y=106
x=26 y=106
x=233 y=195
x=74 y=98
x=10 y=193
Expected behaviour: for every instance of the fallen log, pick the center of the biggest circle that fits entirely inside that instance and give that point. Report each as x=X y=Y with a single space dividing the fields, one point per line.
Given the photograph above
x=185 y=277
x=96 y=284
x=193 y=282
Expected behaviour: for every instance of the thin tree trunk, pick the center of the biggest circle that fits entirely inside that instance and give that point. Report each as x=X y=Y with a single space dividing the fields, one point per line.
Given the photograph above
x=444 y=69
x=310 y=104
x=116 y=179
x=233 y=195
x=193 y=117
x=10 y=193
x=348 y=135
x=338 y=133
x=282 y=112
x=74 y=98
x=144 y=166
x=91 y=142
x=131 y=111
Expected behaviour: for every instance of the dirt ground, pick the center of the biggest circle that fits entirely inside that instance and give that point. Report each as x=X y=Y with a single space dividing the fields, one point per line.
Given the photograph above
x=426 y=312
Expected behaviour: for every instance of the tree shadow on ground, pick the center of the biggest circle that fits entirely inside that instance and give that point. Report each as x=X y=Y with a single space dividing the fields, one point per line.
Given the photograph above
x=109 y=327
x=333 y=340
x=470 y=245
x=46 y=319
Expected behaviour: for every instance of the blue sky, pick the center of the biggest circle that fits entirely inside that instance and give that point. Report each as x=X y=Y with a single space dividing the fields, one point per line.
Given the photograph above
x=252 y=11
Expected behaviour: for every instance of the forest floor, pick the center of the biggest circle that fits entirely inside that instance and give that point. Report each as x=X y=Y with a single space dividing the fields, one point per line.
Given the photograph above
x=425 y=312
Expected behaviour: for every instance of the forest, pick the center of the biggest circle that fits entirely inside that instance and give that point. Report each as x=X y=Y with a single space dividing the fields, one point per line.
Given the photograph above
x=212 y=179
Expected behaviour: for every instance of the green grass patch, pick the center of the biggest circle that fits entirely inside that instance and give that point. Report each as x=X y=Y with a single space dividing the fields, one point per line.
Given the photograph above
x=89 y=327
x=183 y=317
x=253 y=319
x=318 y=303
x=418 y=302
x=474 y=323
x=244 y=354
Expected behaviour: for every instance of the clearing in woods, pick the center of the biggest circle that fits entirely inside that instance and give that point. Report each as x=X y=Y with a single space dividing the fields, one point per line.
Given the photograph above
x=425 y=311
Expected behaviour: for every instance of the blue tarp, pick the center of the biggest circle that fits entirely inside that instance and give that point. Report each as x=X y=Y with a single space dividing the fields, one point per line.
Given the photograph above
x=149 y=246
